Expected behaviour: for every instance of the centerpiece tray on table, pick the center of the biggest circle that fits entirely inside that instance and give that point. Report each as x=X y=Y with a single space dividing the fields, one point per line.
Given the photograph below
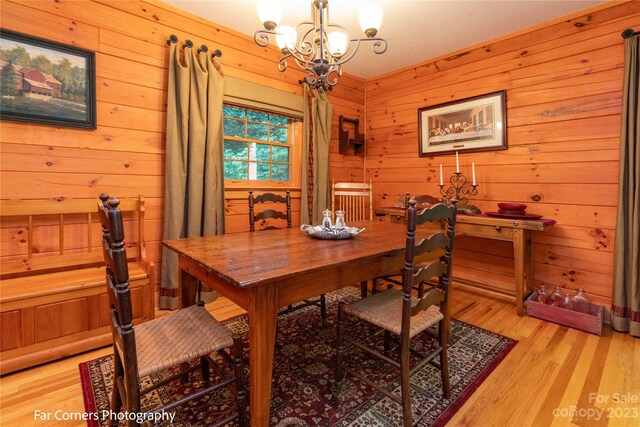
x=320 y=232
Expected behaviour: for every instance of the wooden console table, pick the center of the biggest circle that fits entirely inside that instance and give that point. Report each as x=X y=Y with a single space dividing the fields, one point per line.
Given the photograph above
x=511 y=230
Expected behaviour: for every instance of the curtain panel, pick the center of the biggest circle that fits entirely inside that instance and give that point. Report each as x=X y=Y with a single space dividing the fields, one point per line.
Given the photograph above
x=318 y=115
x=625 y=309
x=194 y=171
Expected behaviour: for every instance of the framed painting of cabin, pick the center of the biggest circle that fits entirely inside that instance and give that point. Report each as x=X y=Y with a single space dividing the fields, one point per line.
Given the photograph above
x=46 y=82
x=472 y=124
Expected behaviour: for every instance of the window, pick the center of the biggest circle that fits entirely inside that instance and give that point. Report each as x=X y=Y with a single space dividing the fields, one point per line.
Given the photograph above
x=258 y=145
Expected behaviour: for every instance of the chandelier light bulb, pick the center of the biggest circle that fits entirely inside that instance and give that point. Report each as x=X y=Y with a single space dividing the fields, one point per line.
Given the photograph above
x=338 y=42
x=269 y=12
x=286 y=38
x=370 y=18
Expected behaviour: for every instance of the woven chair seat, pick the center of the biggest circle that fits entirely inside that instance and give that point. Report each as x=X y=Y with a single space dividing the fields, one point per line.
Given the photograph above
x=177 y=338
x=384 y=309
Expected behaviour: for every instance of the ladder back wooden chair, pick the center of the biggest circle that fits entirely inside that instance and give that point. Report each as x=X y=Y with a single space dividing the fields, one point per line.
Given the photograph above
x=269 y=213
x=396 y=279
x=160 y=344
x=354 y=198
x=397 y=312
x=278 y=214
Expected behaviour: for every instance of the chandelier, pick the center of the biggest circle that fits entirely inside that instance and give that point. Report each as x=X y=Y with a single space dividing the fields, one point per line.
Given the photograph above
x=322 y=47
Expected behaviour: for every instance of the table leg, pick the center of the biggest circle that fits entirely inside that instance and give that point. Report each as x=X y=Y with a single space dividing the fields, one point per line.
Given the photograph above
x=528 y=261
x=262 y=311
x=363 y=289
x=519 y=267
x=186 y=289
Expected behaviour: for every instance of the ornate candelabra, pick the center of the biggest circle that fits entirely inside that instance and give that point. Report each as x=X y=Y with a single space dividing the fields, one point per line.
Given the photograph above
x=458 y=189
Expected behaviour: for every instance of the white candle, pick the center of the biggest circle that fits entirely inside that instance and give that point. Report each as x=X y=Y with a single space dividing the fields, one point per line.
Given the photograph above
x=441 y=182
x=457 y=164
x=473 y=172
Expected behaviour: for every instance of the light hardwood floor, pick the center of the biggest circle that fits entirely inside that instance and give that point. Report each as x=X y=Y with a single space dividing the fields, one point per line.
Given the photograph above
x=552 y=369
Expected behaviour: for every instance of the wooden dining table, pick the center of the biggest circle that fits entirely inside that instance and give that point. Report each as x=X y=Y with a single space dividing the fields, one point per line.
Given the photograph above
x=263 y=271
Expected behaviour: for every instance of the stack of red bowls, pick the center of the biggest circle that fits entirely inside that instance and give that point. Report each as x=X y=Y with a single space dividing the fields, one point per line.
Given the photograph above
x=512 y=208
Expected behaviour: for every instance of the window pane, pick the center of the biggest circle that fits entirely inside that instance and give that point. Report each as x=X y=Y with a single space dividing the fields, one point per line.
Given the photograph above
x=235 y=150
x=235 y=170
x=233 y=112
x=279 y=134
x=234 y=128
x=257 y=145
x=259 y=171
x=254 y=116
x=280 y=172
x=280 y=154
x=260 y=152
x=263 y=172
x=278 y=120
x=257 y=131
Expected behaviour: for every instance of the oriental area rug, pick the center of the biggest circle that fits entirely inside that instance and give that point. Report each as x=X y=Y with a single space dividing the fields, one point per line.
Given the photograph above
x=304 y=392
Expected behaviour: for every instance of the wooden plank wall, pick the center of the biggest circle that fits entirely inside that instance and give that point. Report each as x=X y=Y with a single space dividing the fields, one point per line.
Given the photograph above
x=564 y=85
x=125 y=154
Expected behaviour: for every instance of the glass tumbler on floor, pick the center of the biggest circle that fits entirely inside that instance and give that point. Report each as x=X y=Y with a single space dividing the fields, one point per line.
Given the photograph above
x=567 y=302
x=581 y=303
x=556 y=297
x=542 y=295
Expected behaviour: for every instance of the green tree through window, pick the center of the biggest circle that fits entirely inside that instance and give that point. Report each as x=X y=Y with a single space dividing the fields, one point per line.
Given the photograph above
x=257 y=145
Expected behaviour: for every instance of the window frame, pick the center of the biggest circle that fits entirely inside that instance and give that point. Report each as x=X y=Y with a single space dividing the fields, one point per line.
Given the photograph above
x=294 y=133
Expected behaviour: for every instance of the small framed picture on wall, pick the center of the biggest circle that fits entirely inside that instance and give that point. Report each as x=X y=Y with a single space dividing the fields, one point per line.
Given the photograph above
x=46 y=82
x=472 y=124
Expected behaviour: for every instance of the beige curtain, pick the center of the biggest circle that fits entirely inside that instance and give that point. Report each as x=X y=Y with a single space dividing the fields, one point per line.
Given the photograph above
x=625 y=309
x=194 y=172
x=318 y=115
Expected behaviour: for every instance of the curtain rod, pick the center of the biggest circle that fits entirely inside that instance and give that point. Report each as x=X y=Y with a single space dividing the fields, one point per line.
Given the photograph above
x=628 y=33
x=188 y=43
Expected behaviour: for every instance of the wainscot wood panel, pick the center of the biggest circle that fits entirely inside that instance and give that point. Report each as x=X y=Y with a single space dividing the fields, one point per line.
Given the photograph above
x=564 y=88
x=125 y=154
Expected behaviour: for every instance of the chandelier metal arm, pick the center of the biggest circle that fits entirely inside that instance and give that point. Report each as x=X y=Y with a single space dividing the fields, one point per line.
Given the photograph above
x=261 y=37
x=305 y=48
x=378 y=42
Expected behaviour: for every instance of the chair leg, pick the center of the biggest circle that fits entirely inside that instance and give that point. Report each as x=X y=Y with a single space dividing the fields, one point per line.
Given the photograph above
x=387 y=342
x=374 y=286
x=444 y=362
x=240 y=388
x=184 y=379
x=340 y=344
x=204 y=368
x=363 y=289
x=323 y=309
x=405 y=384
x=116 y=399
x=132 y=405
x=116 y=404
